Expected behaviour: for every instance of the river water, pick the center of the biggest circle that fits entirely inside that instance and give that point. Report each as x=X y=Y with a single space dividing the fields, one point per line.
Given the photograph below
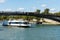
x=39 y=32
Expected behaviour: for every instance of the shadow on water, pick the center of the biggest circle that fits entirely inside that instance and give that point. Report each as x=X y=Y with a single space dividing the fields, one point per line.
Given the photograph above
x=33 y=26
x=1 y=29
x=44 y=25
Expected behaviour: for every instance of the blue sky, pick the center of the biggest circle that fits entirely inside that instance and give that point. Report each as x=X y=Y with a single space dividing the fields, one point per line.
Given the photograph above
x=29 y=5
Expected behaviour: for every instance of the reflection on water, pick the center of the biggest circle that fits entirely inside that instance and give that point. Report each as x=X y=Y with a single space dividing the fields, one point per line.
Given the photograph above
x=40 y=32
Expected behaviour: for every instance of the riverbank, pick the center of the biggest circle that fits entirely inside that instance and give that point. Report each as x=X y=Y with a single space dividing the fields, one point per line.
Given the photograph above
x=48 y=21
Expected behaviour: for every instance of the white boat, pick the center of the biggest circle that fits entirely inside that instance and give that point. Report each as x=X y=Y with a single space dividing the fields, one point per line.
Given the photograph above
x=18 y=22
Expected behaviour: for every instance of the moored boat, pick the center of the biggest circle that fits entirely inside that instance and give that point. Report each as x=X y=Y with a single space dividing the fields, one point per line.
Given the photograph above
x=19 y=23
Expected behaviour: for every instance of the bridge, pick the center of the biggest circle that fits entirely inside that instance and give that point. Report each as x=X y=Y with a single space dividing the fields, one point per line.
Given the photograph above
x=48 y=16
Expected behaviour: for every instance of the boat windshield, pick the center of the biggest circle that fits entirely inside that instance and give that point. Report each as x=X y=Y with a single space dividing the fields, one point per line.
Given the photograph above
x=18 y=22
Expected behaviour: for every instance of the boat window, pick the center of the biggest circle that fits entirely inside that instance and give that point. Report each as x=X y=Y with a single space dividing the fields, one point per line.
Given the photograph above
x=15 y=22
x=26 y=23
x=19 y=23
x=11 y=22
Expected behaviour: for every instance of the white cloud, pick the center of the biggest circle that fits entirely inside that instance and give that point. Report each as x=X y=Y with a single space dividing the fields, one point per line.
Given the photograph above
x=52 y=9
x=20 y=9
x=43 y=5
x=7 y=9
x=2 y=1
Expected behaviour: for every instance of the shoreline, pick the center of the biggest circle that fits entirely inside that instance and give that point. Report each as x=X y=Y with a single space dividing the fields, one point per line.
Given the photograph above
x=46 y=21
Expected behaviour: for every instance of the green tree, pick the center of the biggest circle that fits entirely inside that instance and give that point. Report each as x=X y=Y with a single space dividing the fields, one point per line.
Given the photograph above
x=46 y=11
x=38 y=11
x=57 y=13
